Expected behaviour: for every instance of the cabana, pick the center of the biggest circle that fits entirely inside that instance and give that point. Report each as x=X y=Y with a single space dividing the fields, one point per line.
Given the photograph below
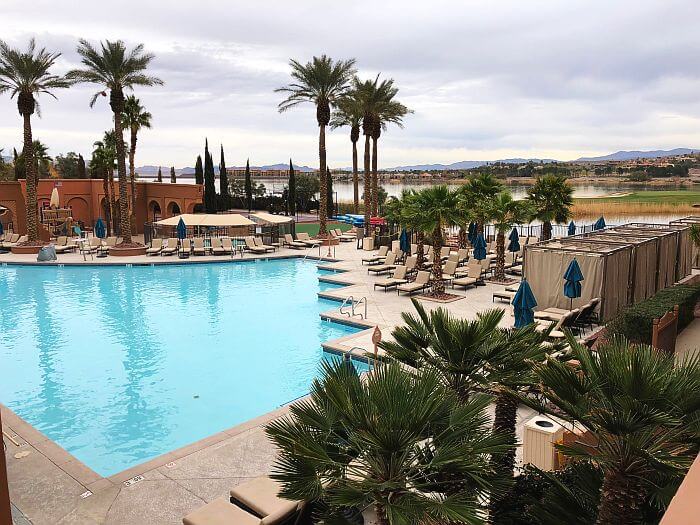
x=621 y=265
x=695 y=249
x=273 y=226
x=223 y=224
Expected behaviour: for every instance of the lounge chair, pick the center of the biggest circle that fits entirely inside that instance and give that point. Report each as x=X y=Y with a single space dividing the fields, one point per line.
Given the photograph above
x=92 y=246
x=170 y=248
x=185 y=248
x=474 y=275
x=10 y=240
x=411 y=264
x=306 y=239
x=386 y=267
x=450 y=272
x=227 y=244
x=445 y=253
x=156 y=247
x=291 y=243
x=378 y=258
x=255 y=502
x=504 y=295
x=259 y=243
x=344 y=237
x=217 y=247
x=421 y=283
x=252 y=247
x=462 y=256
x=64 y=244
x=566 y=321
x=399 y=277
x=198 y=247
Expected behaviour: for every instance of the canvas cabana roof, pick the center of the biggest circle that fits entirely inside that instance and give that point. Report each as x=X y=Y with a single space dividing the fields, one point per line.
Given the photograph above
x=269 y=218
x=208 y=219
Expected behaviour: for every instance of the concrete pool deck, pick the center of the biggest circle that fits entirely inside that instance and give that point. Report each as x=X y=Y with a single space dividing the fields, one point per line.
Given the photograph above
x=50 y=486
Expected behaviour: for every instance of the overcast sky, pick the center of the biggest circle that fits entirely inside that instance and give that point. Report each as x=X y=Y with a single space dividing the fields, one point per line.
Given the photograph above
x=487 y=79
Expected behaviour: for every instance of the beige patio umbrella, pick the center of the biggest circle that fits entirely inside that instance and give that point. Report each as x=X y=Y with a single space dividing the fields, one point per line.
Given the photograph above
x=54 y=202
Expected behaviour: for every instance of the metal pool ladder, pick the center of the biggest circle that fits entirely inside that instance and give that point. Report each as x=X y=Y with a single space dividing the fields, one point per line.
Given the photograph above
x=353 y=304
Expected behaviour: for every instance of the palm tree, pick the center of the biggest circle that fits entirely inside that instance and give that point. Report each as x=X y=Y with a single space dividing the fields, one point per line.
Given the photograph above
x=642 y=407
x=42 y=160
x=102 y=162
x=398 y=441
x=349 y=113
x=433 y=209
x=472 y=356
x=475 y=197
x=134 y=117
x=117 y=69
x=551 y=197
x=110 y=144
x=505 y=212
x=388 y=111
x=322 y=82
x=25 y=74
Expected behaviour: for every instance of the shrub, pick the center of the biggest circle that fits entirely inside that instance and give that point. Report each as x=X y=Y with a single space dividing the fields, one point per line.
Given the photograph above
x=636 y=321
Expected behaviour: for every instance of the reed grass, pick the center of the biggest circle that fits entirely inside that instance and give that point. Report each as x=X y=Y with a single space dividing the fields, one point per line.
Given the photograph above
x=586 y=209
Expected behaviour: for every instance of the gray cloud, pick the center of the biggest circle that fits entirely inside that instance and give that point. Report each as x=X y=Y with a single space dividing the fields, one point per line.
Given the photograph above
x=486 y=79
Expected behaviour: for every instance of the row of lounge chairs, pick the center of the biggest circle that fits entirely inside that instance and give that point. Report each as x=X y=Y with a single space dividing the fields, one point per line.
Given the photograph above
x=255 y=502
x=12 y=239
x=302 y=242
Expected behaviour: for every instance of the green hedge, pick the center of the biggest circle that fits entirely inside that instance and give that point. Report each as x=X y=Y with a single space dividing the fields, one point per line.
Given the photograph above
x=635 y=322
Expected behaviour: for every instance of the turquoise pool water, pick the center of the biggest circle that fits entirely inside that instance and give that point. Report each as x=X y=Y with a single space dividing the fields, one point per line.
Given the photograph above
x=119 y=365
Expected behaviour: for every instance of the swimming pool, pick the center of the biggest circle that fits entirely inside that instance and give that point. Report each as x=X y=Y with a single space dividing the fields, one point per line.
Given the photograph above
x=121 y=364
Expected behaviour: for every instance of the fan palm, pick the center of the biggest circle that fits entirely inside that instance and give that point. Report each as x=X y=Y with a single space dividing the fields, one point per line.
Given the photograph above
x=475 y=197
x=398 y=441
x=551 y=197
x=25 y=75
x=643 y=408
x=505 y=212
x=42 y=159
x=117 y=69
x=431 y=210
x=134 y=117
x=349 y=113
x=321 y=82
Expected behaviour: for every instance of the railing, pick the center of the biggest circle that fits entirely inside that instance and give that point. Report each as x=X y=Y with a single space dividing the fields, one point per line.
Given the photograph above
x=350 y=301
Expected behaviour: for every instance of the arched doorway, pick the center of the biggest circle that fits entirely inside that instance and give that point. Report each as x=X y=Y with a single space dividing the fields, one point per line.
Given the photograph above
x=154 y=211
x=80 y=211
x=173 y=209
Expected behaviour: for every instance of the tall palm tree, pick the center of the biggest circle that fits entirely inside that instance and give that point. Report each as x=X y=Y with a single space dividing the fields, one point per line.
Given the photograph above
x=349 y=113
x=25 y=74
x=551 y=197
x=388 y=111
x=399 y=442
x=134 y=117
x=110 y=144
x=322 y=82
x=643 y=408
x=472 y=356
x=117 y=69
x=433 y=209
x=505 y=212
x=476 y=195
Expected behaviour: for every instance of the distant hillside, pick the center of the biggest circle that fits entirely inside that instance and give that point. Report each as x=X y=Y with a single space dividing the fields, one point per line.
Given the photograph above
x=631 y=155
x=189 y=171
x=464 y=164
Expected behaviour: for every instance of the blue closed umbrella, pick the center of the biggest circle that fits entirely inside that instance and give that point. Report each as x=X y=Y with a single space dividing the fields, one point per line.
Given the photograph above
x=572 y=228
x=599 y=224
x=514 y=244
x=523 y=304
x=100 y=230
x=404 y=242
x=471 y=232
x=181 y=229
x=479 y=248
x=572 y=284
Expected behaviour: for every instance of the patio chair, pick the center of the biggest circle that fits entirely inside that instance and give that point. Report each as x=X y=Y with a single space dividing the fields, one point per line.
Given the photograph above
x=250 y=246
x=291 y=243
x=474 y=275
x=504 y=295
x=306 y=239
x=185 y=247
x=217 y=247
x=198 y=247
x=227 y=244
x=344 y=237
x=171 y=246
x=156 y=247
x=449 y=272
x=398 y=277
x=64 y=244
x=386 y=267
x=259 y=243
x=411 y=264
x=421 y=283
x=378 y=258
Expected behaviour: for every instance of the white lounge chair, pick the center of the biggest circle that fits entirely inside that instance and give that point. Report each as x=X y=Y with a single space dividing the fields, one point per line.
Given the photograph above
x=156 y=247
x=421 y=283
x=399 y=277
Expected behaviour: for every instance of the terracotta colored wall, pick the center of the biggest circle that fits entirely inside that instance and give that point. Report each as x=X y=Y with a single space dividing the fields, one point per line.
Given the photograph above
x=685 y=505
x=85 y=197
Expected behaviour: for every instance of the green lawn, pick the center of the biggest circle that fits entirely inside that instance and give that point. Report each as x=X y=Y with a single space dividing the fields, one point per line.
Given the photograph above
x=312 y=227
x=654 y=197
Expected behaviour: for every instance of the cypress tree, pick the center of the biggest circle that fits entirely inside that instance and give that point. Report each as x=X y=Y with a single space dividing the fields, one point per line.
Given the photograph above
x=19 y=172
x=223 y=180
x=173 y=179
x=248 y=186
x=329 y=194
x=209 y=187
x=160 y=175
x=82 y=172
x=292 y=190
x=198 y=171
